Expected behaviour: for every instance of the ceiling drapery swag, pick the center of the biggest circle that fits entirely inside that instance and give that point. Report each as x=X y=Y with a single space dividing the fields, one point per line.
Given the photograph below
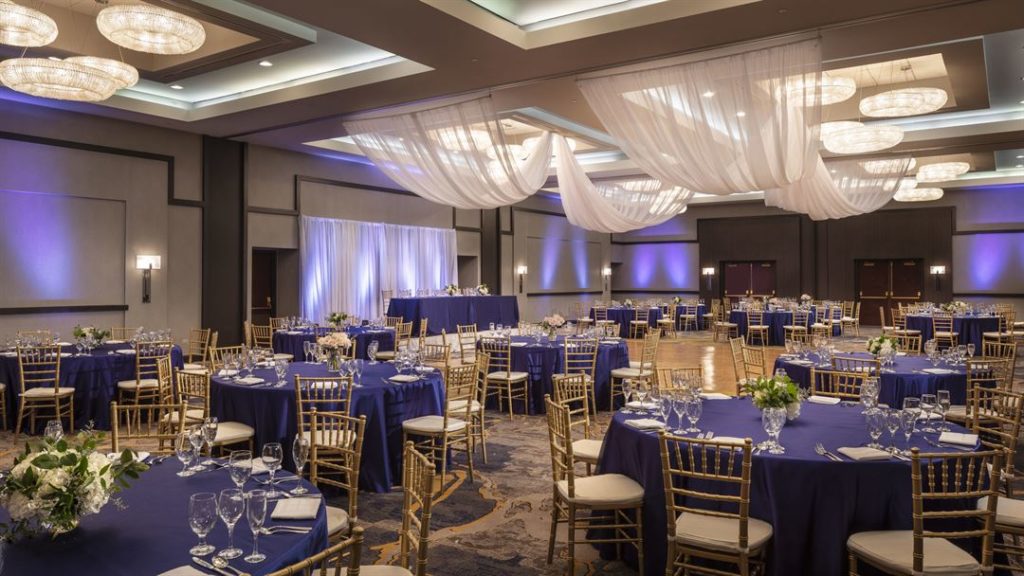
x=617 y=205
x=730 y=124
x=457 y=155
x=842 y=188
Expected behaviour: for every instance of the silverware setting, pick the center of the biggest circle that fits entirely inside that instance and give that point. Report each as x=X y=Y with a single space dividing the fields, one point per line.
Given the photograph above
x=199 y=561
x=219 y=562
x=943 y=445
x=819 y=449
x=270 y=530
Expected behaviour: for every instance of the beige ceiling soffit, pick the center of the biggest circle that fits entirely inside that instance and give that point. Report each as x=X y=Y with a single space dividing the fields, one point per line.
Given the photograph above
x=494 y=25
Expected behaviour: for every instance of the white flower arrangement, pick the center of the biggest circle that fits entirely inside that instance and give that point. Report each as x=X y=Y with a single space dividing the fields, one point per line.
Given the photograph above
x=483 y=290
x=337 y=318
x=956 y=307
x=334 y=341
x=90 y=332
x=628 y=303
x=553 y=322
x=881 y=346
x=775 y=392
x=451 y=289
x=677 y=300
x=805 y=299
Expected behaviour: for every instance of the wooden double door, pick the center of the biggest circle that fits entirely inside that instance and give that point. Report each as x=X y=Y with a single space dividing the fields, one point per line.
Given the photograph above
x=741 y=279
x=885 y=283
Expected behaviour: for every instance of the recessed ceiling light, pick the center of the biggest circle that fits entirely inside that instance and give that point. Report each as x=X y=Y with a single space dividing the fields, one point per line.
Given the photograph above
x=177 y=87
x=708 y=94
x=266 y=63
x=741 y=114
x=1020 y=156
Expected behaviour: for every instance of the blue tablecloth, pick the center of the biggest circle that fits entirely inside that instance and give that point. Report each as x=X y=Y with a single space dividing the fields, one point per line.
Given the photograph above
x=448 y=312
x=813 y=503
x=902 y=379
x=776 y=320
x=271 y=411
x=544 y=360
x=623 y=316
x=701 y=311
x=971 y=328
x=290 y=342
x=93 y=376
x=152 y=535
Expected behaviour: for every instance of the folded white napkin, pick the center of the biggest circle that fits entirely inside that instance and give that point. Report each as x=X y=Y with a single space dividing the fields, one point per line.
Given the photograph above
x=250 y=380
x=864 y=454
x=296 y=509
x=9 y=354
x=958 y=438
x=227 y=373
x=115 y=341
x=404 y=378
x=63 y=343
x=294 y=332
x=938 y=371
x=715 y=396
x=801 y=362
x=139 y=456
x=609 y=341
x=829 y=400
x=425 y=369
x=187 y=570
x=728 y=440
x=518 y=344
x=126 y=351
x=65 y=354
x=644 y=405
x=283 y=357
x=645 y=424
x=258 y=467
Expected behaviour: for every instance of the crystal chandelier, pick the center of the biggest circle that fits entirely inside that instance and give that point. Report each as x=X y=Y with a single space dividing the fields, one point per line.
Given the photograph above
x=123 y=74
x=917 y=194
x=941 y=171
x=829 y=128
x=884 y=166
x=150 y=29
x=833 y=89
x=857 y=138
x=23 y=26
x=903 y=102
x=57 y=79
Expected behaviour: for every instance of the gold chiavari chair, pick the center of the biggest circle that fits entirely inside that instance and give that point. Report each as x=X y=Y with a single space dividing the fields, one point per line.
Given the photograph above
x=417 y=485
x=580 y=317
x=467 y=337
x=797 y=328
x=754 y=362
x=886 y=328
x=605 y=499
x=262 y=336
x=982 y=373
x=579 y=356
x=837 y=384
x=146 y=386
x=601 y=316
x=639 y=325
x=122 y=333
x=392 y=321
x=1005 y=331
x=323 y=394
x=942 y=329
x=610 y=330
x=150 y=434
x=667 y=322
x=724 y=533
x=276 y=323
x=575 y=393
x=756 y=327
x=709 y=314
x=38 y=337
x=198 y=348
x=850 y=317
x=1007 y=350
x=866 y=366
x=41 y=394
x=194 y=392
x=514 y=385
x=331 y=559
x=403 y=335
x=424 y=322
x=642 y=369
x=449 y=431
x=996 y=421
x=823 y=324
x=738 y=366
x=438 y=355
x=945 y=487
x=218 y=354
x=335 y=459
x=722 y=324
x=667 y=378
x=909 y=343
x=688 y=317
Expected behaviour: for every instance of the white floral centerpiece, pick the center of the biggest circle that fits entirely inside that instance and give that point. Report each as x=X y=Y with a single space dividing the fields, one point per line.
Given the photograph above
x=552 y=323
x=483 y=290
x=956 y=307
x=628 y=303
x=55 y=483
x=451 y=289
x=883 y=348
x=677 y=300
x=337 y=318
x=90 y=332
x=334 y=343
x=775 y=392
x=805 y=299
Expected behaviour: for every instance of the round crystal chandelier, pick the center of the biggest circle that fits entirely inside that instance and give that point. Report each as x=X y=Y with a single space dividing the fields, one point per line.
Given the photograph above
x=861 y=139
x=903 y=102
x=23 y=26
x=829 y=128
x=884 y=166
x=833 y=89
x=917 y=194
x=941 y=171
x=125 y=75
x=150 y=29
x=57 y=79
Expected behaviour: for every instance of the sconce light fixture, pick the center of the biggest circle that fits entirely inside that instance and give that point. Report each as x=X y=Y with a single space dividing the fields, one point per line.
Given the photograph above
x=938 y=272
x=708 y=273
x=147 y=264
x=522 y=270
x=606 y=276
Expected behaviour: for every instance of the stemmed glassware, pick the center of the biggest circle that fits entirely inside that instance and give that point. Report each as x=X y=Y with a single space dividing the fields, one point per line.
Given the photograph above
x=197 y=438
x=202 y=517
x=908 y=419
x=230 y=506
x=876 y=426
x=272 y=456
x=892 y=424
x=210 y=436
x=928 y=404
x=256 y=514
x=913 y=404
x=54 y=430
x=240 y=467
x=371 y=351
x=869 y=394
x=640 y=391
x=627 y=393
x=300 y=454
x=357 y=366
x=772 y=420
x=306 y=350
x=693 y=408
x=943 y=403
x=185 y=452
x=281 y=370
x=970 y=350
x=679 y=407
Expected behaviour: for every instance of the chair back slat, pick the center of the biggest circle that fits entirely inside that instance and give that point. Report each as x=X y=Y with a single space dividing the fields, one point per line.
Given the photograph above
x=39 y=366
x=573 y=392
x=560 y=441
x=322 y=394
x=418 y=487
x=580 y=355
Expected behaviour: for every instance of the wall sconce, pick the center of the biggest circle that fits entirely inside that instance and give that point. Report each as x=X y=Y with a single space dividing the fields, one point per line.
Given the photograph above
x=606 y=275
x=147 y=264
x=708 y=274
x=522 y=270
x=938 y=272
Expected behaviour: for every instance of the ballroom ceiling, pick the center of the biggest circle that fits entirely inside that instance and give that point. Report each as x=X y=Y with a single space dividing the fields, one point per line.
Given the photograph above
x=329 y=60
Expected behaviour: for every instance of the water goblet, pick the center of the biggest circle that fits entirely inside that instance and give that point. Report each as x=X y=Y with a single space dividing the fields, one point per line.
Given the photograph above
x=928 y=404
x=281 y=370
x=230 y=507
x=256 y=514
x=892 y=424
x=913 y=404
x=876 y=426
x=666 y=407
x=240 y=467
x=679 y=407
x=300 y=454
x=272 y=457
x=210 y=436
x=772 y=420
x=908 y=419
x=627 y=393
x=202 y=517
x=694 y=409
x=640 y=391
x=197 y=438
x=970 y=350
x=54 y=430
x=869 y=394
x=185 y=452
x=943 y=403
x=371 y=351
x=306 y=352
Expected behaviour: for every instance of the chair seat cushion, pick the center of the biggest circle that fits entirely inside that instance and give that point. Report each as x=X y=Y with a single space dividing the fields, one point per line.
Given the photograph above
x=324 y=438
x=630 y=372
x=757 y=327
x=457 y=406
x=133 y=384
x=906 y=332
x=45 y=391
x=795 y=328
x=192 y=366
x=644 y=322
x=722 y=534
x=1009 y=512
x=513 y=376
x=380 y=571
x=995 y=334
x=191 y=415
x=947 y=334
x=603 y=490
x=587 y=450
x=432 y=425
x=894 y=550
x=338 y=521
x=232 y=432
x=385 y=354
x=727 y=324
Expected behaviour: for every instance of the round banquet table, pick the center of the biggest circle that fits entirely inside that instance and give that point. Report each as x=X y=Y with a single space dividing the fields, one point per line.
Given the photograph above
x=152 y=535
x=291 y=341
x=93 y=376
x=449 y=312
x=812 y=503
x=776 y=320
x=542 y=361
x=970 y=328
x=270 y=409
x=623 y=316
x=908 y=376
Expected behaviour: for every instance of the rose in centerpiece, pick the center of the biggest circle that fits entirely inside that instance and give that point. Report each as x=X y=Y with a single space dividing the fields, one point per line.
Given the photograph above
x=87 y=332
x=483 y=290
x=333 y=344
x=805 y=299
x=337 y=318
x=552 y=323
x=451 y=289
x=54 y=483
x=628 y=303
x=775 y=392
x=955 y=307
x=882 y=347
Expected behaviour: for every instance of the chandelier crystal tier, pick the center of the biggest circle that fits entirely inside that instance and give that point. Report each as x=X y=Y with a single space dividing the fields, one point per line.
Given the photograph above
x=123 y=74
x=917 y=194
x=150 y=29
x=57 y=79
x=903 y=102
x=857 y=138
x=832 y=89
x=941 y=171
x=884 y=166
x=26 y=27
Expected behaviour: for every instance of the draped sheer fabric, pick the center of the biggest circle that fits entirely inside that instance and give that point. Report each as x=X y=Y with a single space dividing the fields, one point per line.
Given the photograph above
x=457 y=155
x=615 y=205
x=724 y=125
x=346 y=264
x=842 y=188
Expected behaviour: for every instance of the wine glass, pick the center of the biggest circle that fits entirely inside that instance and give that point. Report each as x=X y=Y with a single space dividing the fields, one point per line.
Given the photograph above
x=876 y=426
x=281 y=370
x=185 y=453
x=371 y=351
x=272 y=456
x=892 y=424
x=667 y=406
x=913 y=404
x=869 y=394
x=943 y=403
x=306 y=344
x=240 y=467
x=54 y=430
x=210 y=436
x=197 y=438
x=679 y=407
x=970 y=349
x=256 y=514
x=694 y=408
x=908 y=419
x=627 y=393
x=230 y=506
x=640 y=391
x=772 y=420
x=202 y=517
x=357 y=365
x=300 y=454
x=928 y=404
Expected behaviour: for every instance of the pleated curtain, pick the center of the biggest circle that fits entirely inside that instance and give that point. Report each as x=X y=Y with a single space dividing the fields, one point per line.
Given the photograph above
x=842 y=188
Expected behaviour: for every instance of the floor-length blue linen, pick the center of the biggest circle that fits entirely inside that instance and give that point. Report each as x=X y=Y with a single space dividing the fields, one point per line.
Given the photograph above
x=623 y=316
x=291 y=341
x=970 y=328
x=448 y=312
x=776 y=320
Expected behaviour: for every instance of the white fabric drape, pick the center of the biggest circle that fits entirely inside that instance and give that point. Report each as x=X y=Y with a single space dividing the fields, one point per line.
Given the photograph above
x=842 y=188
x=617 y=205
x=724 y=125
x=346 y=264
x=457 y=155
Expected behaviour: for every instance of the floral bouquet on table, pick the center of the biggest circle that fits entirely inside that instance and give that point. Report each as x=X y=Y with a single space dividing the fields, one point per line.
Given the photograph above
x=451 y=289
x=483 y=290
x=552 y=323
x=56 y=482
x=87 y=332
x=955 y=307
x=628 y=303
x=677 y=300
x=337 y=318
x=884 y=348
x=775 y=392
x=334 y=344
x=805 y=299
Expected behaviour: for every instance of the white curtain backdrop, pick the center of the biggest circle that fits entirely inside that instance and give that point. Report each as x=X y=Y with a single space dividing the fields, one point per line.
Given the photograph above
x=346 y=264
x=615 y=205
x=457 y=154
x=730 y=124
x=842 y=188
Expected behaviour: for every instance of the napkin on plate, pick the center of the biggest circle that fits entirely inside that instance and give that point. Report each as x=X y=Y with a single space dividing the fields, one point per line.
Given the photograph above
x=295 y=332
x=186 y=570
x=645 y=424
x=864 y=454
x=930 y=416
x=228 y=373
x=250 y=380
x=296 y=509
x=115 y=341
x=518 y=344
x=126 y=351
x=63 y=343
x=715 y=396
x=938 y=371
x=609 y=341
x=644 y=405
x=801 y=362
x=65 y=354
x=10 y=354
x=403 y=378
x=958 y=438
x=829 y=400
